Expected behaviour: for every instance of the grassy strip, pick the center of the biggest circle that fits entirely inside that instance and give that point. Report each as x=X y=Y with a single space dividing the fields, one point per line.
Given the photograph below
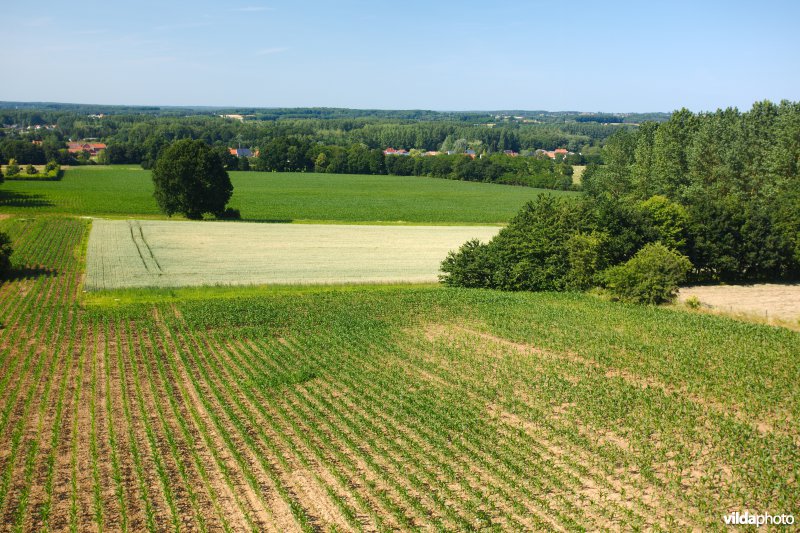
x=126 y=297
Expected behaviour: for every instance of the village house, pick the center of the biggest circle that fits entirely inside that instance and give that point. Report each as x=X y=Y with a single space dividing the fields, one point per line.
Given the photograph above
x=552 y=154
x=240 y=118
x=392 y=151
x=92 y=148
x=241 y=152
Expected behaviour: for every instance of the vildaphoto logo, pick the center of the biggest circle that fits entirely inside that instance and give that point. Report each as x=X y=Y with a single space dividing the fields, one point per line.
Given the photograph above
x=748 y=519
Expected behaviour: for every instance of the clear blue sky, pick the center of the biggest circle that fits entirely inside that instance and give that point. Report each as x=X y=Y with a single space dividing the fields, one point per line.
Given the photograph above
x=447 y=55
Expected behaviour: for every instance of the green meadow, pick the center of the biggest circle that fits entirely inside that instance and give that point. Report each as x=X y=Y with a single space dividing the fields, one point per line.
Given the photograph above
x=126 y=191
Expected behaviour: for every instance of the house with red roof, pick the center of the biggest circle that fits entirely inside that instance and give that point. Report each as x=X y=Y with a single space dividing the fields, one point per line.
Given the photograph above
x=552 y=154
x=241 y=152
x=92 y=148
x=392 y=151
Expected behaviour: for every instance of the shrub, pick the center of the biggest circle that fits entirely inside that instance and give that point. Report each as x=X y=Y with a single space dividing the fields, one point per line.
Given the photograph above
x=230 y=214
x=692 y=302
x=530 y=254
x=5 y=254
x=469 y=266
x=31 y=170
x=12 y=169
x=652 y=276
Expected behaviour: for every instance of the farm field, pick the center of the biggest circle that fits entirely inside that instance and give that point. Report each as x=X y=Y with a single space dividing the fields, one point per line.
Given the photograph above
x=127 y=191
x=577 y=175
x=763 y=300
x=150 y=253
x=379 y=408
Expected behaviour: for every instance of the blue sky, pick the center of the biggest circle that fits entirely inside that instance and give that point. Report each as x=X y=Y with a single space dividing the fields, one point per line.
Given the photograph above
x=466 y=55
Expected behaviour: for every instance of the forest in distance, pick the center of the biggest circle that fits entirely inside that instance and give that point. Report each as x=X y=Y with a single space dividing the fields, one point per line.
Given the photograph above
x=324 y=140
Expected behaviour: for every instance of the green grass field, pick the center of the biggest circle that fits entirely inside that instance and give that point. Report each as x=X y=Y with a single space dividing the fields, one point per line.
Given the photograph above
x=378 y=408
x=126 y=191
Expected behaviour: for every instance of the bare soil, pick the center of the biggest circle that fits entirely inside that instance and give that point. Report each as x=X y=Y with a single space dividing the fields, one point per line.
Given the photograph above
x=765 y=300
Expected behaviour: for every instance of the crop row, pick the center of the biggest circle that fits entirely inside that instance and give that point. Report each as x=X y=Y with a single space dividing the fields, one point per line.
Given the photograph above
x=372 y=410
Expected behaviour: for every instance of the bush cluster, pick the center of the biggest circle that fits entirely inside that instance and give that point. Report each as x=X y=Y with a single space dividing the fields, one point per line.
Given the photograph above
x=652 y=276
x=5 y=254
x=708 y=197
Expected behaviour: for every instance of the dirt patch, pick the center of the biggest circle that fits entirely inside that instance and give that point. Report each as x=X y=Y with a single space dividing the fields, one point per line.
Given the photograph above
x=766 y=300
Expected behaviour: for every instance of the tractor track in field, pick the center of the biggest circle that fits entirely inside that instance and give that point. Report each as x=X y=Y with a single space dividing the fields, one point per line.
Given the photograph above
x=149 y=261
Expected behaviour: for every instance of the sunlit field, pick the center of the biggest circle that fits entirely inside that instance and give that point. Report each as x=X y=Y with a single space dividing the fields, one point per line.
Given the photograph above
x=378 y=408
x=154 y=253
x=127 y=191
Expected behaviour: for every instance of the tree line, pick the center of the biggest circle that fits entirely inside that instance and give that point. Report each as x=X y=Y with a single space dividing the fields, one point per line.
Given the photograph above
x=288 y=154
x=720 y=190
x=137 y=137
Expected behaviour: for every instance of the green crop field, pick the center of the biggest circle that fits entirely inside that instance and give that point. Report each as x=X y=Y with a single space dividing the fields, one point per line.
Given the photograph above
x=156 y=253
x=378 y=408
x=126 y=191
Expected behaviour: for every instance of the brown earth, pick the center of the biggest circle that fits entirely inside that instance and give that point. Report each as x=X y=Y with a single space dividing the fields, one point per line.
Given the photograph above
x=766 y=301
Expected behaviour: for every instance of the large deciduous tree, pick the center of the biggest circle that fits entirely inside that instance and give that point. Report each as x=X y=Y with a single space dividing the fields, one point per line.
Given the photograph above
x=189 y=179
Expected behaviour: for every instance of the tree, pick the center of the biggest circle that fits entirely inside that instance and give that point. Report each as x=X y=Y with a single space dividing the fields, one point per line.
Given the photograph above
x=189 y=179
x=586 y=259
x=321 y=163
x=470 y=266
x=102 y=158
x=667 y=219
x=12 y=169
x=229 y=161
x=652 y=276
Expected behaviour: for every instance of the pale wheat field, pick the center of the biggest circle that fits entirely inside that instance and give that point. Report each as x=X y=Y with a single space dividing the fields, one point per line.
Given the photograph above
x=149 y=253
